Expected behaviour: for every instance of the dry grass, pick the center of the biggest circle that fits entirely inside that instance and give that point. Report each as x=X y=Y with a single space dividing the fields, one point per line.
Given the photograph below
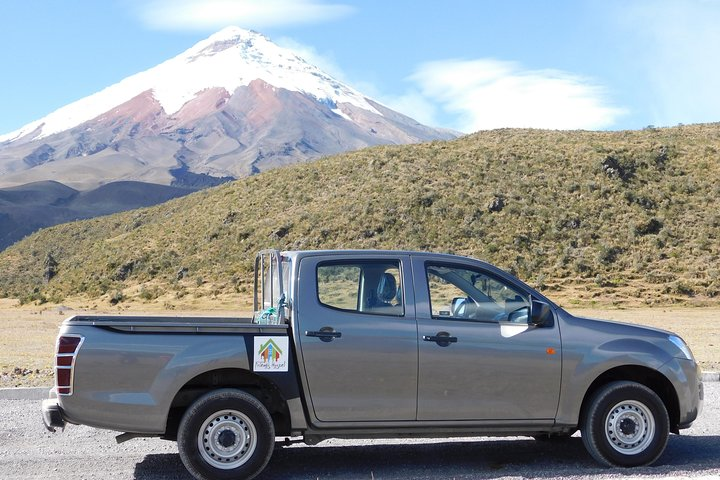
x=628 y=218
x=26 y=347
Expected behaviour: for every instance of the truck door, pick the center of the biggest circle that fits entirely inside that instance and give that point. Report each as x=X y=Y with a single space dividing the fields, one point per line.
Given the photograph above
x=479 y=356
x=358 y=337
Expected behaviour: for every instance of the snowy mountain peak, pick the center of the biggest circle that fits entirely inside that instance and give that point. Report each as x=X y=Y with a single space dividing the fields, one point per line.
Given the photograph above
x=227 y=38
x=228 y=59
x=234 y=33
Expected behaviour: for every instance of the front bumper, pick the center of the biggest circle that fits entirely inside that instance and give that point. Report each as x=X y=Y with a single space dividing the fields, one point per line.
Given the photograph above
x=52 y=415
x=700 y=399
x=686 y=378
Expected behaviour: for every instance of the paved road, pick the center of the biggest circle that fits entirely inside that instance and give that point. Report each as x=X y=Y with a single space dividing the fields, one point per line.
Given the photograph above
x=27 y=451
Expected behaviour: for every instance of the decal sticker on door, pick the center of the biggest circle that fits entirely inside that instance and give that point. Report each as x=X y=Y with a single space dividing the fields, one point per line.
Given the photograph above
x=271 y=354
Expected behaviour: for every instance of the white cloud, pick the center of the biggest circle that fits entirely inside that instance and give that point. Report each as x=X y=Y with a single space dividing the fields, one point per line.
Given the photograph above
x=486 y=93
x=674 y=45
x=254 y=14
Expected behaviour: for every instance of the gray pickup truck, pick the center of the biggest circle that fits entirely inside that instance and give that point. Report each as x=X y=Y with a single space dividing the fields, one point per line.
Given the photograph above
x=372 y=344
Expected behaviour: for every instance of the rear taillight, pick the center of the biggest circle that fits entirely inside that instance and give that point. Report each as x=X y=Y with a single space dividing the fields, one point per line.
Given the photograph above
x=67 y=350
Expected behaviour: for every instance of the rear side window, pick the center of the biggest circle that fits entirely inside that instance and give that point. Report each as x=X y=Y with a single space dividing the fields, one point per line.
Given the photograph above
x=362 y=287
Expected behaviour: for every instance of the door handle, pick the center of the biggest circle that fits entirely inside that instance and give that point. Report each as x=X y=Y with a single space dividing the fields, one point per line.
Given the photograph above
x=441 y=338
x=326 y=334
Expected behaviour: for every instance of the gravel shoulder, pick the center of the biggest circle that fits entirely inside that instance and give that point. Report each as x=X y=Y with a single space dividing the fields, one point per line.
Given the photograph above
x=28 y=451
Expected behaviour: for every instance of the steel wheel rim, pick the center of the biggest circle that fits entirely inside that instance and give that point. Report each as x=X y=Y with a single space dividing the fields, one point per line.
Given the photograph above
x=630 y=427
x=227 y=439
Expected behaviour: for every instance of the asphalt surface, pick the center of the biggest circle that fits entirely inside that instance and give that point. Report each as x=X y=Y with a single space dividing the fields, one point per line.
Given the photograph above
x=28 y=451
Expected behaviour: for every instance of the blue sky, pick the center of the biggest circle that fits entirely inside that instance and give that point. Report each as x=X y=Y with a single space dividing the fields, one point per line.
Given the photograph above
x=461 y=64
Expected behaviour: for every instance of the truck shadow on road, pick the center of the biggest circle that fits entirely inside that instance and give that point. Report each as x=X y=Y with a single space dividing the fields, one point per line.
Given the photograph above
x=455 y=459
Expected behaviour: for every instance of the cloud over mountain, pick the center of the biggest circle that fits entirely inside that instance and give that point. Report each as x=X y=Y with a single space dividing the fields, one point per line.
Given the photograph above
x=483 y=94
x=211 y=14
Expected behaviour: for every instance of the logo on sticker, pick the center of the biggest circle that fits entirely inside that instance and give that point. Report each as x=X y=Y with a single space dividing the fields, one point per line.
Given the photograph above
x=271 y=354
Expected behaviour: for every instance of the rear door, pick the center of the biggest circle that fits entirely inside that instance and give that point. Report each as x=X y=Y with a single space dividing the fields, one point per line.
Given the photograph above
x=358 y=337
x=479 y=358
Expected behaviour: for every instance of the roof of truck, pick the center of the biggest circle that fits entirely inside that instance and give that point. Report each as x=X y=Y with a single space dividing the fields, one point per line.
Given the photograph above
x=304 y=253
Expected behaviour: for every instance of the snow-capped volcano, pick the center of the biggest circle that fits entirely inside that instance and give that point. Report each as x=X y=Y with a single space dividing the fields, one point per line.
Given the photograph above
x=232 y=105
x=229 y=59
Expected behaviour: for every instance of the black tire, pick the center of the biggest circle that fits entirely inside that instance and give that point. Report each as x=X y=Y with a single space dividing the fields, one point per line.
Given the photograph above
x=236 y=432
x=626 y=425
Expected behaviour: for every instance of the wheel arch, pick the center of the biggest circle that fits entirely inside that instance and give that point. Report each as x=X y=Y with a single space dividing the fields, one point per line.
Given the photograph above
x=259 y=387
x=648 y=377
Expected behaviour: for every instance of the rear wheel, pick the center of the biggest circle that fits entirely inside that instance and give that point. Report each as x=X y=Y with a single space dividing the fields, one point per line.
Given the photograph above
x=626 y=425
x=226 y=434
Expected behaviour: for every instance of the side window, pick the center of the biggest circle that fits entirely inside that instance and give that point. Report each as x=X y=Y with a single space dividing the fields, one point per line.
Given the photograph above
x=362 y=287
x=462 y=293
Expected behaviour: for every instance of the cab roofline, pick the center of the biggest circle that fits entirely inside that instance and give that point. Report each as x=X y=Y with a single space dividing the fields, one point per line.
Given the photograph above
x=371 y=252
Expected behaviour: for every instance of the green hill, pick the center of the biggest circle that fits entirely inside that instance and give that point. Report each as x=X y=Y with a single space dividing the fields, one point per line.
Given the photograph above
x=628 y=216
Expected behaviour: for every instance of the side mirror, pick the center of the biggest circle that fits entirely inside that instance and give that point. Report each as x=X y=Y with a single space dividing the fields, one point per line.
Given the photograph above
x=540 y=314
x=519 y=316
x=456 y=305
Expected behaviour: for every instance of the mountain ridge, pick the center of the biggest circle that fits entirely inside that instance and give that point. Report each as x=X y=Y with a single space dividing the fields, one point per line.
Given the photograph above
x=27 y=208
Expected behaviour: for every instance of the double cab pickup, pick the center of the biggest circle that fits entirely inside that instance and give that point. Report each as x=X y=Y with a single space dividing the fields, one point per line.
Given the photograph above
x=373 y=344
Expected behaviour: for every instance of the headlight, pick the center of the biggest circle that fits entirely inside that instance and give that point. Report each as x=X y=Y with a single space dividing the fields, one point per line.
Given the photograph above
x=680 y=343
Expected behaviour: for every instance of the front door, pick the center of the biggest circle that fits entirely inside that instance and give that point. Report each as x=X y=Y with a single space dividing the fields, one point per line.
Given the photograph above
x=358 y=338
x=479 y=356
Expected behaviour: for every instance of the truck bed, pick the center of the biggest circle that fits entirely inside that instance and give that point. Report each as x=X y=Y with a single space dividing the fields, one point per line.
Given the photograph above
x=176 y=324
x=129 y=370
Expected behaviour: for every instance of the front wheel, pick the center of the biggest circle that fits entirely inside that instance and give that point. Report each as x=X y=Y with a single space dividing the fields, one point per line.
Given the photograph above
x=626 y=425
x=226 y=434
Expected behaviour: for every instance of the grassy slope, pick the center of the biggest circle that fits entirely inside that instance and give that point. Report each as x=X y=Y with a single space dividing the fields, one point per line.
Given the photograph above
x=640 y=228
